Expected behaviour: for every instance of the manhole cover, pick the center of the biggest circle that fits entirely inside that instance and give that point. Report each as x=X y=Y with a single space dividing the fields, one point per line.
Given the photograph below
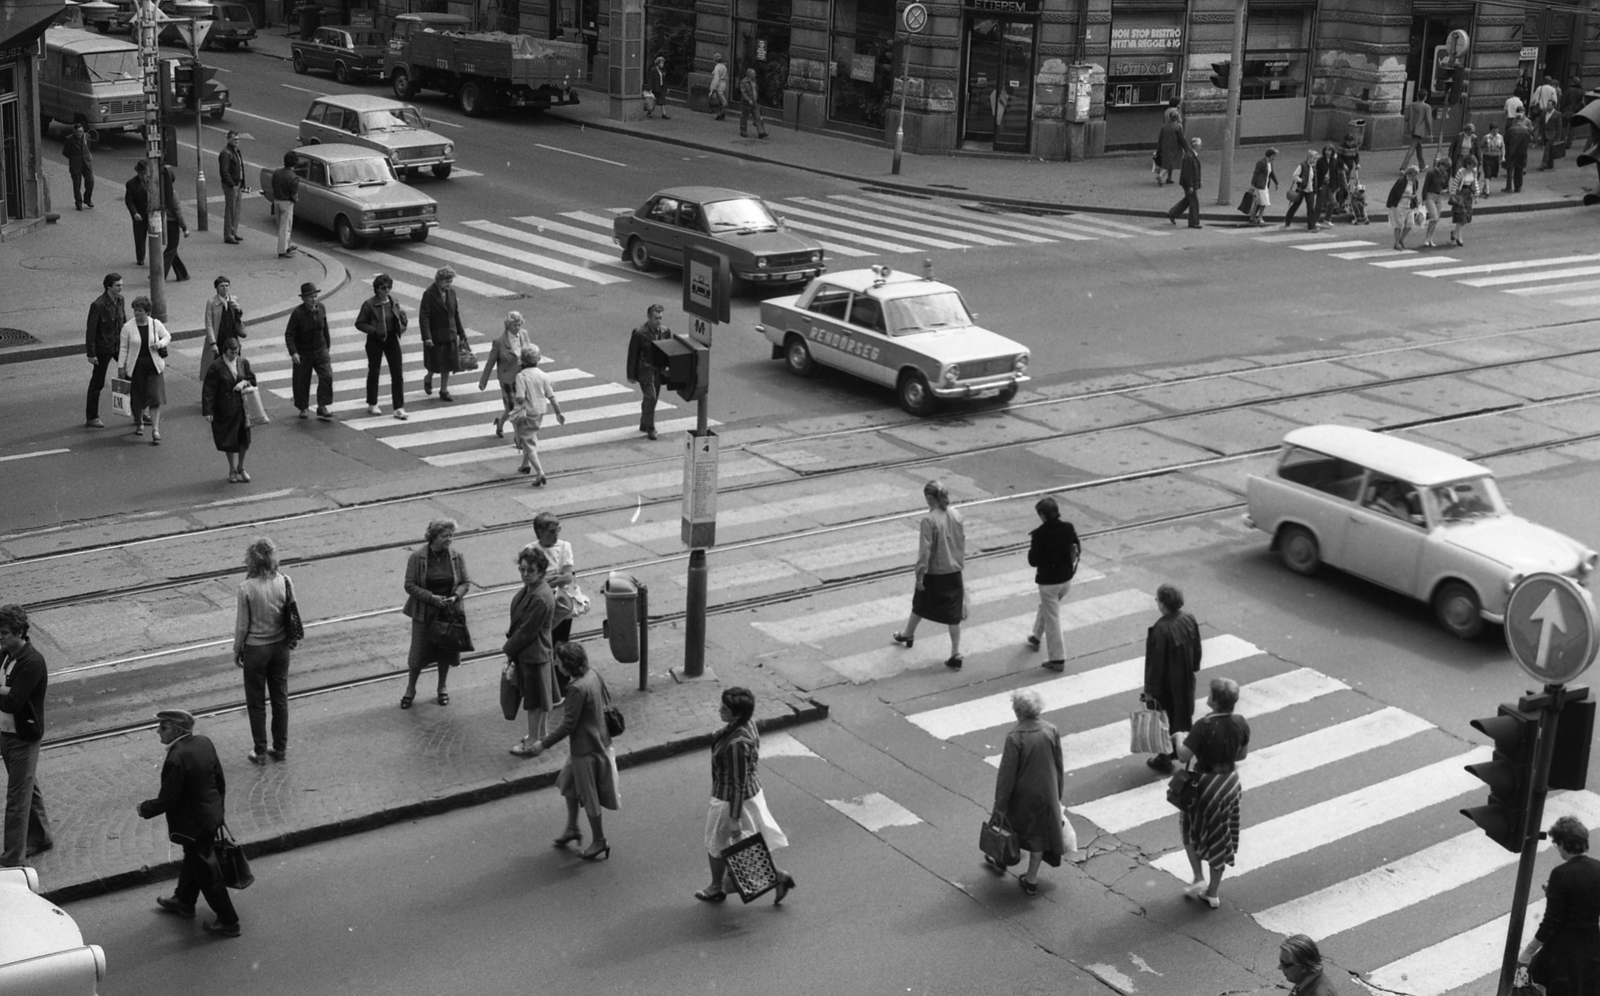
x=16 y=337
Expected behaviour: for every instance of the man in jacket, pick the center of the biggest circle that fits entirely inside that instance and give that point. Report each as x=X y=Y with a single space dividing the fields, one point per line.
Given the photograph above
x=750 y=106
x=1053 y=551
x=1189 y=180
x=1519 y=138
x=176 y=227
x=23 y=678
x=192 y=795
x=640 y=370
x=656 y=77
x=439 y=321
x=285 y=191
x=230 y=166
x=102 y=341
x=80 y=163
x=718 y=93
x=1419 y=129
x=308 y=342
x=136 y=196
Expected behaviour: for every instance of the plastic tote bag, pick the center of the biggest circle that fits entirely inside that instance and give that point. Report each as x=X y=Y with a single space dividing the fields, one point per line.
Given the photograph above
x=649 y=102
x=1150 y=731
x=121 y=402
x=255 y=411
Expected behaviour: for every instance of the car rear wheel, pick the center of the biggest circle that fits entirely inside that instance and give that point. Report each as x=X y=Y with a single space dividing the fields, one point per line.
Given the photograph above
x=348 y=236
x=916 y=397
x=299 y=62
x=1299 y=550
x=474 y=100
x=401 y=82
x=639 y=256
x=442 y=170
x=1458 y=610
x=419 y=235
x=341 y=72
x=798 y=356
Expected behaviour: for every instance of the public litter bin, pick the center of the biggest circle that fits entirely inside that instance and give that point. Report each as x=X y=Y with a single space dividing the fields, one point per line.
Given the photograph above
x=622 y=616
x=310 y=20
x=1356 y=131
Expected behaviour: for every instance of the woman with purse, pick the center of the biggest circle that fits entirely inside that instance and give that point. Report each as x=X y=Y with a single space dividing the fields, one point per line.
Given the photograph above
x=589 y=778
x=738 y=805
x=261 y=646
x=1171 y=660
x=1564 y=954
x=436 y=584
x=505 y=361
x=1027 y=792
x=1210 y=828
x=562 y=576
x=940 y=595
x=531 y=393
x=1465 y=189
x=146 y=340
x=224 y=320
x=533 y=615
x=222 y=401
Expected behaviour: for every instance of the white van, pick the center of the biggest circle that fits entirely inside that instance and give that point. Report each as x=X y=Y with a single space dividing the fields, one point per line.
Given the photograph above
x=91 y=78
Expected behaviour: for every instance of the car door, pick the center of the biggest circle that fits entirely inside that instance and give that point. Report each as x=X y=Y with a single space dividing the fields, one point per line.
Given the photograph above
x=692 y=230
x=311 y=124
x=325 y=45
x=660 y=230
x=1386 y=533
x=316 y=202
x=823 y=323
x=863 y=336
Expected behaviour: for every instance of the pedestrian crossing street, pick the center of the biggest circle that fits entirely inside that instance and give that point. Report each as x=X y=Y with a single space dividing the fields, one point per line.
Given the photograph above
x=511 y=257
x=1350 y=826
x=456 y=434
x=1572 y=280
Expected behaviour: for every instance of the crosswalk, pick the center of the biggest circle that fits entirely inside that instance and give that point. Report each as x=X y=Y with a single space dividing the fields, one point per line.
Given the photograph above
x=1350 y=830
x=511 y=257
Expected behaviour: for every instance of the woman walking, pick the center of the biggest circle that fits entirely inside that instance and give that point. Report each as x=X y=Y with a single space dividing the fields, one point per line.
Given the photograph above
x=1402 y=202
x=261 y=647
x=145 y=339
x=1171 y=660
x=439 y=316
x=738 y=805
x=1434 y=184
x=1465 y=189
x=1261 y=178
x=222 y=402
x=1053 y=551
x=436 y=584
x=1211 y=829
x=1567 y=944
x=533 y=614
x=530 y=394
x=1170 y=145
x=224 y=320
x=941 y=552
x=589 y=778
x=1027 y=792
x=383 y=320
x=505 y=361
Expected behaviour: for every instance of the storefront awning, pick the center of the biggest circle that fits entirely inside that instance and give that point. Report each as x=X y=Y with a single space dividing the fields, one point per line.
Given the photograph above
x=21 y=24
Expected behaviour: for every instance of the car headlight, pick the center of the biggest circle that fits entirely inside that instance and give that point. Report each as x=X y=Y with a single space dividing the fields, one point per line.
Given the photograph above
x=430 y=209
x=449 y=149
x=222 y=95
x=367 y=217
x=1586 y=563
x=816 y=257
x=761 y=261
x=105 y=109
x=1021 y=364
x=952 y=373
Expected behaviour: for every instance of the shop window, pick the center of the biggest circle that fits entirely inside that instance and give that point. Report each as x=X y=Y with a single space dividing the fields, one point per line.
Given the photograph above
x=761 y=42
x=861 y=67
x=669 y=32
x=1277 y=46
x=1144 y=65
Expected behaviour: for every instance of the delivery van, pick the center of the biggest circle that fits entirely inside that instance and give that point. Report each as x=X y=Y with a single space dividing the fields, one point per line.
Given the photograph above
x=91 y=78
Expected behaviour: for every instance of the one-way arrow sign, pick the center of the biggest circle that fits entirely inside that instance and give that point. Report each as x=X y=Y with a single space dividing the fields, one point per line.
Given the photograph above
x=1550 y=628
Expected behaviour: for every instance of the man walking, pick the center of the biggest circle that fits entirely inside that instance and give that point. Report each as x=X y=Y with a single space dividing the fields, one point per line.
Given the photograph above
x=656 y=76
x=23 y=678
x=718 y=95
x=193 y=793
x=230 y=166
x=641 y=371
x=285 y=191
x=1053 y=552
x=1189 y=180
x=1419 y=129
x=308 y=343
x=749 y=106
x=176 y=227
x=136 y=196
x=80 y=163
x=1519 y=137
x=102 y=341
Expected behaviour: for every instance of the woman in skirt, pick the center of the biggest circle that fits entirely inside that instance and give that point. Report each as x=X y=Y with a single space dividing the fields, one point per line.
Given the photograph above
x=1465 y=189
x=589 y=778
x=224 y=320
x=1211 y=829
x=146 y=339
x=738 y=806
x=436 y=581
x=531 y=394
x=503 y=361
x=940 y=596
x=222 y=402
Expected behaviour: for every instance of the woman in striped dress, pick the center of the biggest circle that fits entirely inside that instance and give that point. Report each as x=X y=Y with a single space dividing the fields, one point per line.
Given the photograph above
x=1211 y=829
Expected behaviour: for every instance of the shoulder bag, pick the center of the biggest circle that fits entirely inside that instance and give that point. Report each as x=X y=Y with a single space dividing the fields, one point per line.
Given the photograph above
x=615 y=723
x=1183 y=791
x=447 y=625
x=232 y=865
x=293 y=629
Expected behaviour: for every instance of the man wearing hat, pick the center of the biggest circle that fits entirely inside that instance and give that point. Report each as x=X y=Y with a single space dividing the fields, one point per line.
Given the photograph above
x=192 y=795
x=718 y=95
x=308 y=342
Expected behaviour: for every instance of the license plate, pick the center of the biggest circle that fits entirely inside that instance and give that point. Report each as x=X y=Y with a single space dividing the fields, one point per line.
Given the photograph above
x=794 y=276
x=404 y=231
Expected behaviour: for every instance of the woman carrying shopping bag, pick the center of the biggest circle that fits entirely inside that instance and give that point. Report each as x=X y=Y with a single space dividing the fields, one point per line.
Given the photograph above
x=222 y=401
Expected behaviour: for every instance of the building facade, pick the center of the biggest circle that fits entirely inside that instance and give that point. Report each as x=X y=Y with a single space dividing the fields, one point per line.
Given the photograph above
x=22 y=198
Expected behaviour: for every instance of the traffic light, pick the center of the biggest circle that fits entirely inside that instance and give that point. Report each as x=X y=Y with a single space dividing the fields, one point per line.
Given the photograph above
x=1459 y=77
x=164 y=85
x=1219 y=74
x=185 y=95
x=205 y=85
x=682 y=365
x=1569 y=763
x=1509 y=775
x=1440 y=80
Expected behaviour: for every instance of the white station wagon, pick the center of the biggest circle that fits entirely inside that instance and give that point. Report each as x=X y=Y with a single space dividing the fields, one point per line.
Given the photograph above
x=1406 y=516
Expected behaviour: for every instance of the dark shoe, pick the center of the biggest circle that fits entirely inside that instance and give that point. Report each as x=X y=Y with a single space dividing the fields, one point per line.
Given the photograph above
x=711 y=895
x=278 y=755
x=443 y=698
x=94 y=423
x=445 y=396
x=258 y=757
x=427 y=383
x=594 y=852
x=762 y=135
x=954 y=663
x=904 y=641
x=1031 y=888
x=304 y=413
x=785 y=886
x=499 y=429
x=1033 y=642
x=743 y=134
x=40 y=848
x=217 y=928
x=651 y=434
x=1161 y=763
x=1171 y=220
x=541 y=481
x=231 y=242
x=324 y=414
x=407 y=699
x=1054 y=665
x=1196 y=226
x=174 y=907
x=571 y=835
x=525 y=469
x=78 y=208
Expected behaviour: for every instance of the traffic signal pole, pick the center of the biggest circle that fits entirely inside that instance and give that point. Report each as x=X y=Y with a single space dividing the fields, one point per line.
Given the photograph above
x=1230 y=120
x=694 y=623
x=201 y=215
x=154 y=94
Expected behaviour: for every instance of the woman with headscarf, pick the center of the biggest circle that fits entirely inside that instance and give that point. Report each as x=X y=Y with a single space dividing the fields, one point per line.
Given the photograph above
x=1171 y=145
x=738 y=804
x=1171 y=660
x=222 y=402
x=146 y=340
x=530 y=394
x=1027 y=792
x=533 y=614
x=504 y=360
x=1210 y=830
x=436 y=585
x=589 y=778
x=941 y=552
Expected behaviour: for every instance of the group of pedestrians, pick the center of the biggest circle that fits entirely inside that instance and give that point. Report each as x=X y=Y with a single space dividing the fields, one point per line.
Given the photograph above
x=717 y=95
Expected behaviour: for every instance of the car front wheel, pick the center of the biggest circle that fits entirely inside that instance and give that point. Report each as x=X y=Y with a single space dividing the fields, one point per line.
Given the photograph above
x=348 y=236
x=299 y=62
x=1458 y=610
x=442 y=170
x=231 y=46
x=798 y=355
x=419 y=234
x=639 y=256
x=1299 y=550
x=916 y=397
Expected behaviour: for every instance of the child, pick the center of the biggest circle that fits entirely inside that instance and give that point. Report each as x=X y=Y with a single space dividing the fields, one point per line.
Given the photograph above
x=1358 y=203
x=1494 y=146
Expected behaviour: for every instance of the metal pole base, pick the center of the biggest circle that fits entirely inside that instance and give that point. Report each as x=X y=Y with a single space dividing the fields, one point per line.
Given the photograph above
x=683 y=677
x=694 y=630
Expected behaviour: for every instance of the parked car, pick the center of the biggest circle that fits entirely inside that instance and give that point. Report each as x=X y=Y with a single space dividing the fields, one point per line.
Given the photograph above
x=913 y=334
x=348 y=53
x=383 y=124
x=1406 y=516
x=37 y=931
x=233 y=26
x=354 y=192
x=759 y=248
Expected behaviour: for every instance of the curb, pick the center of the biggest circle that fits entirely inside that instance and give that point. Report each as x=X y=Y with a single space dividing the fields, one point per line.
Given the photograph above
x=473 y=795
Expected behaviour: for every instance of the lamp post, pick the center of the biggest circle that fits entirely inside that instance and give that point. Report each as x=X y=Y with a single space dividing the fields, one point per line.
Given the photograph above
x=195 y=12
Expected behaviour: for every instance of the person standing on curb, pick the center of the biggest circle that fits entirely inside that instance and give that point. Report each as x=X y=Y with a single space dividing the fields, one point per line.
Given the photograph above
x=285 y=191
x=1514 y=109
x=1263 y=177
x=1542 y=107
x=1519 y=137
x=1419 y=131
x=230 y=166
x=717 y=95
x=750 y=106
x=1053 y=552
x=103 y=342
x=1170 y=146
x=193 y=794
x=1494 y=148
x=656 y=78
x=1328 y=178
x=23 y=679
x=439 y=318
x=503 y=361
x=222 y=403
x=1171 y=660
x=136 y=197
x=941 y=595
x=1572 y=101
x=261 y=647
x=80 y=163
x=1189 y=180
x=1567 y=942
x=529 y=648
x=177 y=227
x=383 y=320
x=436 y=585
x=308 y=341
x=639 y=368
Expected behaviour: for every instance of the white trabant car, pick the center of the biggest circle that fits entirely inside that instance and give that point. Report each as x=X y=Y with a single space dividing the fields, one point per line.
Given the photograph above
x=41 y=949
x=1409 y=517
x=913 y=334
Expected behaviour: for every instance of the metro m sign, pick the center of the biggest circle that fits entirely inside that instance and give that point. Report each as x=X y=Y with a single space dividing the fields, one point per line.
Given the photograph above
x=706 y=284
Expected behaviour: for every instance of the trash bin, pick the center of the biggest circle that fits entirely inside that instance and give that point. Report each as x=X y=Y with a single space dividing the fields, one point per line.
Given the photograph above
x=1357 y=130
x=622 y=616
x=310 y=20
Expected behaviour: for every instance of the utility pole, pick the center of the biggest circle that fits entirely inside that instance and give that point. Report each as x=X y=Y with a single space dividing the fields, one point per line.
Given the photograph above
x=201 y=213
x=155 y=175
x=1230 y=120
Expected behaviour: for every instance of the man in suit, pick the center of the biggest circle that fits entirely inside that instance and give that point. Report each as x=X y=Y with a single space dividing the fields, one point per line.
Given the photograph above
x=1189 y=180
x=102 y=341
x=439 y=320
x=193 y=791
x=137 y=199
x=23 y=678
x=640 y=370
x=308 y=341
x=230 y=166
x=80 y=163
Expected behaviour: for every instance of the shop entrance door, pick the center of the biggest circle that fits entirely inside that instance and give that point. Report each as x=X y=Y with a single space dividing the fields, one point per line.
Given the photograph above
x=10 y=146
x=998 y=99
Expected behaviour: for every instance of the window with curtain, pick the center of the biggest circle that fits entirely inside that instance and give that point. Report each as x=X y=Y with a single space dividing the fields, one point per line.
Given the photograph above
x=1277 y=53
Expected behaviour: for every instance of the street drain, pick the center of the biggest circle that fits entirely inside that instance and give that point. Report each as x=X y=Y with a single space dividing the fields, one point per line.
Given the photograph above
x=16 y=337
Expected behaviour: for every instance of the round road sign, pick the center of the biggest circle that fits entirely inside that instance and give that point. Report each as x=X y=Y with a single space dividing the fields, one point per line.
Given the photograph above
x=915 y=17
x=1456 y=44
x=1550 y=628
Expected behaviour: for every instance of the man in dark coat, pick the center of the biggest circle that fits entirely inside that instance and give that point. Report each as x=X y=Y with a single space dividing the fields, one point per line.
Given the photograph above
x=1189 y=180
x=1171 y=660
x=439 y=321
x=23 y=678
x=1519 y=138
x=308 y=341
x=1567 y=943
x=176 y=227
x=80 y=163
x=230 y=166
x=136 y=196
x=1053 y=552
x=640 y=370
x=193 y=791
x=102 y=341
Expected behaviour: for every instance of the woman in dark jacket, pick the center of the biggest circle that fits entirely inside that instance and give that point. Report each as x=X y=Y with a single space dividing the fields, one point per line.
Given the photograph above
x=1262 y=178
x=1401 y=202
x=439 y=318
x=383 y=320
x=1170 y=146
x=1027 y=791
x=222 y=401
x=533 y=614
x=1330 y=178
x=1567 y=943
x=1171 y=660
x=738 y=805
x=436 y=584
x=589 y=778
x=1053 y=549
x=1218 y=742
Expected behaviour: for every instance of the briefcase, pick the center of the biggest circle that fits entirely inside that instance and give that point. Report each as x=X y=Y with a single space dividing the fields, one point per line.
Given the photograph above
x=121 y=400
x=750 y=862
x=1558 y=150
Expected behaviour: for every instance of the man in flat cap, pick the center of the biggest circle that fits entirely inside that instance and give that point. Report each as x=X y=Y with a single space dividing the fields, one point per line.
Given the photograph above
x=192 y=794
x=308 y=341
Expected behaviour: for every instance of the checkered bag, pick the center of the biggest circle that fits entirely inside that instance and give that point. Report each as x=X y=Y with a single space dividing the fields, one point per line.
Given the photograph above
x=750 y=864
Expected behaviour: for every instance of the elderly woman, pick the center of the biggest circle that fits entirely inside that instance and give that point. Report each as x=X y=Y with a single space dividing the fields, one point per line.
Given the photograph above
x=941 y=551
x=589 y=778
x=222 y=402
x=562 y=573
x=1568 y=940
x=1170 y=145
x=1171 y=660
x=224 y=320
x=436 y=583
x=530 y=393
x=1301 y=963
x=1028 y=790
x=738 y=805
x=439 y=318
x=261 y=647
x=1211 y=829
x=504 y=361
x=146 y=340
x=533 y=614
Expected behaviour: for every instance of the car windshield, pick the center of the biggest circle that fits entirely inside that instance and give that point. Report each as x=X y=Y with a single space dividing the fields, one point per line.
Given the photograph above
x=112 y=67
x=927 y=313
x=1475 y=498
x=743 y=215
x=391 y=119
x=366 y=39
x=360 y=171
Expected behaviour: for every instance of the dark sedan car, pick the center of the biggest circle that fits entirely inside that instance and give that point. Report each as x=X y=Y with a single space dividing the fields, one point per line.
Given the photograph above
x=759 y=248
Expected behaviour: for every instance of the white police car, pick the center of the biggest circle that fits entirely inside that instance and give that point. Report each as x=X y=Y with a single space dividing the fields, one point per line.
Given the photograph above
x=41 y=950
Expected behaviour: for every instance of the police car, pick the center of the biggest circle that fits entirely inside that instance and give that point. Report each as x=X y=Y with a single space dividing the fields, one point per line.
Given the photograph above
x=912 y=334
x=41 y=950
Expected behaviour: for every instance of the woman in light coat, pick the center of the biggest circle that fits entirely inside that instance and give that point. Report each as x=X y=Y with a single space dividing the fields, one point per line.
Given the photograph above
x=224 y=320
x=589 y=778
x=261 y=648
x=504 y=361
x=222 y=403
x=941 y=552
x=530 y=394
x=1027 y=792
x=146 y=340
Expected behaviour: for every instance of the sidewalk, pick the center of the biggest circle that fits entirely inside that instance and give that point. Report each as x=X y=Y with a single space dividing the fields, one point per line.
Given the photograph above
x=55 y=272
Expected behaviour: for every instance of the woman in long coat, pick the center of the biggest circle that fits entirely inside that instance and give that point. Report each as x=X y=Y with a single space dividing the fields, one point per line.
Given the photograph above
x=1218 y=742
x=533 y=615
x=224 y=320
x=1170 y=146
x=1028 y=790
x=1171 y=660
x=588 y=779
x=1567 y=944
x=222 y=403
x=940 y=594
x=439 y=318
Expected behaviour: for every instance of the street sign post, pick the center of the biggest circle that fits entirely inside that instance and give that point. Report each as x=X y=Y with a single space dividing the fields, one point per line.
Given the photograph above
x=915 y=18
x=1550 y=628
x=707 y=291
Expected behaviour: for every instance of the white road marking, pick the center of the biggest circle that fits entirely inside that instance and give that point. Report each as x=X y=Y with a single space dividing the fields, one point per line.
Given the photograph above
x=526 y=258
x=292 y=126
x=424 y=270
x=35 y=453
x=593 y=219
x=477 y=411
x=572 y=231
x=915 y=226
x=872 y=494
x=975 y=225
x=801 y=226
x=783 y=744
x=1456 y=961
x=564 y=442
x=1373 y=253
x=998 y=219
x=1521 y=264
x=1527 y=278
x=1293 y=237
x=461 y=259
x=608 y=162
x=1323 y=246
x=1576 y=285
x=1418 y=260
x=463 y=432
x=517 y=235
x=1580 y=302
x=876 y=811
x=838 y=223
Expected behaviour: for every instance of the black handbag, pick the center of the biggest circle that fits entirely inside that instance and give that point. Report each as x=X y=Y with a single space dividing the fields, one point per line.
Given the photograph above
x=615 y=723
x=448 y=631
x=1183 y=791
x=510 y=691
x=293 y=629
x=232 y=865
x=998 y=841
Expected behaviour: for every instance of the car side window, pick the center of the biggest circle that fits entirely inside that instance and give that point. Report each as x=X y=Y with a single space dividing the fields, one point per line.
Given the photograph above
x=317 y=173
x=1392 y=497
x=1331 y=475
x=830 y=301
x=315 y=114
x=867 y=312
x=689 y=217
x=664 y=211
